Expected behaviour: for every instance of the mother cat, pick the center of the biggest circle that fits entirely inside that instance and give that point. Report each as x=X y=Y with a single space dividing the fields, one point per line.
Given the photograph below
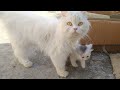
x=55 y=37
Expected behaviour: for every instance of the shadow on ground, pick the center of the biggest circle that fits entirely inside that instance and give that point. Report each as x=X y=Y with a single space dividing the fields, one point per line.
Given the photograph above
x=99 y=67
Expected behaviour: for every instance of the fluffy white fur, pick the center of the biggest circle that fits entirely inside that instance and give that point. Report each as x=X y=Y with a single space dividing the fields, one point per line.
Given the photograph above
x=81 y=56
x=51 y=35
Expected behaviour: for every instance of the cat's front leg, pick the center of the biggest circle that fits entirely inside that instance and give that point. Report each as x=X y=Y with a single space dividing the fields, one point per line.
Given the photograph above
x=59 y=63
x=73 y=60
x=82 y=64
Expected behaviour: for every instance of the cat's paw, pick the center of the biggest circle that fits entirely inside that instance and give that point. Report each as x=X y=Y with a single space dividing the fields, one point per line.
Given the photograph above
x=83 y=66
x=27 y=64
x=63 y=74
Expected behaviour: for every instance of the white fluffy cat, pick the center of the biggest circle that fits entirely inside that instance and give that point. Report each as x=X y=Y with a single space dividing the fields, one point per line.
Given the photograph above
x=55 y=37
x=81 y=53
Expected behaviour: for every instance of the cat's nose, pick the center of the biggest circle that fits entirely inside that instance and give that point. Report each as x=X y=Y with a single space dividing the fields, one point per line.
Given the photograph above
x=75 y=29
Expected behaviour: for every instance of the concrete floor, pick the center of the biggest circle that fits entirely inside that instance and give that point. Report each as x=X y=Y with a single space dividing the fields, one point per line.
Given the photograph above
x=98 y=67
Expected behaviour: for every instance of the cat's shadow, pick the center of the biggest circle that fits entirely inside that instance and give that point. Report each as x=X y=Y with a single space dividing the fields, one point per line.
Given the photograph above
x=40 y=59
x=75 y=71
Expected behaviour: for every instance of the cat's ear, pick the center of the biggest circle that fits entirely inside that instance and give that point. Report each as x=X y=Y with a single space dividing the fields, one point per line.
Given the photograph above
x=92 y=50
x=84 y=13
x=63 y=13
x=89 y=46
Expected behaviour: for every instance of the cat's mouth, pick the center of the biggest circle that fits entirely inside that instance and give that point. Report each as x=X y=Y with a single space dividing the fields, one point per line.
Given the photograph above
x=75 y=32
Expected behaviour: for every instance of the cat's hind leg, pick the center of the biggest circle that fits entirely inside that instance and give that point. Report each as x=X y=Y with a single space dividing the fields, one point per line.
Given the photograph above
x=22 y=55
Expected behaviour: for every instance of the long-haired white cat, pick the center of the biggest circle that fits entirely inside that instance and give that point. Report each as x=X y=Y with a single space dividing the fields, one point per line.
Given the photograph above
x=55 y=37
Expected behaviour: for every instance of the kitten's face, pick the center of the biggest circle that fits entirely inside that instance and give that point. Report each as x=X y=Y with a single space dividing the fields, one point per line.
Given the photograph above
x=86 y=54
x=75 y=22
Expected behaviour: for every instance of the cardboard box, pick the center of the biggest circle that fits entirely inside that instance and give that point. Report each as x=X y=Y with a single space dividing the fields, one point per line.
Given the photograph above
x=104 y=32
x=106 y=12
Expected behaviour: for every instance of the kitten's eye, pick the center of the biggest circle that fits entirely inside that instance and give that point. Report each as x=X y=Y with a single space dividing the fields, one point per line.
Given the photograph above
x=69 y=23
x=80 y=23
x=83 y=57
x=87 y=56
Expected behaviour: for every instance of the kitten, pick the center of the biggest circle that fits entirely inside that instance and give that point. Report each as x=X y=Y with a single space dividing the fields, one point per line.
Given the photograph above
x=55 y=37
x=81 y=53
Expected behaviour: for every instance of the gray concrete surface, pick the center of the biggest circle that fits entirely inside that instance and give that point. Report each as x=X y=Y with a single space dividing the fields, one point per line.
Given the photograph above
x=98 y=67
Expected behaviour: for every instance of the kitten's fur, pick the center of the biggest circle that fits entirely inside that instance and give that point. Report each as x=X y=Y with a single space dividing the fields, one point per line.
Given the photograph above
x=81 y=53
x=52 y=36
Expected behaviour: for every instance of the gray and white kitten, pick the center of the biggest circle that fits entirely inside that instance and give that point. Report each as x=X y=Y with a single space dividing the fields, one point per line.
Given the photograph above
x=81 y=53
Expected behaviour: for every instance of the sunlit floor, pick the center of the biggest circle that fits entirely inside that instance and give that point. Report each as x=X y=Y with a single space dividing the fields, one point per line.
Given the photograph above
x=3 y=34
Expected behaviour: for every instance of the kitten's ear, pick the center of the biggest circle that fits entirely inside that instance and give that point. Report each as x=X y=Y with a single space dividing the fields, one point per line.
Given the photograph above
x=92 y=50
x=63 y=13
x=89 y=46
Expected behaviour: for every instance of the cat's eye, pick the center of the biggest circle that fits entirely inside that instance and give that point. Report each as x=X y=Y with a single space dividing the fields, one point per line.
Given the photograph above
x=80 y=23
x=87 y=56
x=83 y=57
x=69 y=23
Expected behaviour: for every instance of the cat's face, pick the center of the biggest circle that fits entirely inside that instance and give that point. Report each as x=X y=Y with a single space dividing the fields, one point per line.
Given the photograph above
x=87 y=54
x=75 y=22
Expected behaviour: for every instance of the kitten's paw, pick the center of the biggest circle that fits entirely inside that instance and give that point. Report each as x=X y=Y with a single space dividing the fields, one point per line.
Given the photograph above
x=75 y=65
x=27 y=64
x=63 y=74
x=83 y=66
